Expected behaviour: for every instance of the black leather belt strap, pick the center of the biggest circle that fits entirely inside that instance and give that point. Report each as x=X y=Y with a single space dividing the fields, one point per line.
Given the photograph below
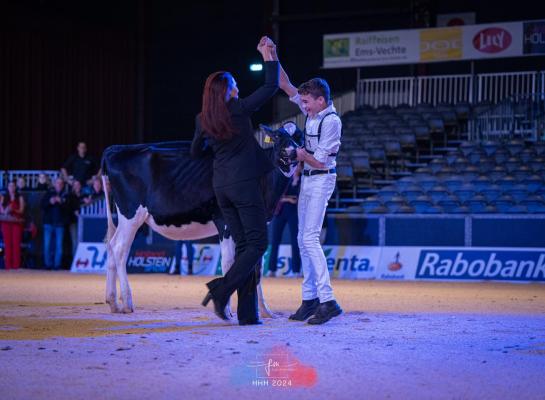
x=307 y=172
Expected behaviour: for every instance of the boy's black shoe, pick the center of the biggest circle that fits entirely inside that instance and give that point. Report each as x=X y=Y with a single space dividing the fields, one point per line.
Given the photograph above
x=325 y=312
x=307 y=308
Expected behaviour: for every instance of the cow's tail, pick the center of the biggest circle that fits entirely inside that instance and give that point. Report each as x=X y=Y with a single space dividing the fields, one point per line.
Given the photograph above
x=111 y=226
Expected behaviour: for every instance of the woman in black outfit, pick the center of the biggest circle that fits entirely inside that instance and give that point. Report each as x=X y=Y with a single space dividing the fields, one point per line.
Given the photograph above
x=224 y=125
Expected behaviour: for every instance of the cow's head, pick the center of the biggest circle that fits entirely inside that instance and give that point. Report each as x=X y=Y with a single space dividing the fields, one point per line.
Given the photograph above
x=286 y=140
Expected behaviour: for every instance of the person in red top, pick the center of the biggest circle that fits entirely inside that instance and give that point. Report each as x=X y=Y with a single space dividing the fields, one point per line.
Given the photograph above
x=12 y=209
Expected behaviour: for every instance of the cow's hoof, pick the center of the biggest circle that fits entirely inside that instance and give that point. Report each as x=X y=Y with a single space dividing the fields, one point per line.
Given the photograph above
x=228 y=312
x=114 y=306
x=127 y=310
x=266 y=313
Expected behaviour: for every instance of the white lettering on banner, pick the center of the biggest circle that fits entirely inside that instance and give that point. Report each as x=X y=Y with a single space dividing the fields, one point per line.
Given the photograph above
x=139 y=261
x=440 y=45
x=535 y=38
x=482 y=264
x=492 y=40
x=351 y=262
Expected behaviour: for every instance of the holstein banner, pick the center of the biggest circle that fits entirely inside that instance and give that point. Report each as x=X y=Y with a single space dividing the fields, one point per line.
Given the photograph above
x=91 y=258
x=466 y=42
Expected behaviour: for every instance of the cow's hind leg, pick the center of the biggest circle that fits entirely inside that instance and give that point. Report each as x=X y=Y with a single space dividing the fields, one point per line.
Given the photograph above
x=227 y=248
x=264 y=309
x=120 y=245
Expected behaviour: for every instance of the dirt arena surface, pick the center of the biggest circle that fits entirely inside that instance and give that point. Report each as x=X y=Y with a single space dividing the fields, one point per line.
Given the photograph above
x=396 y=340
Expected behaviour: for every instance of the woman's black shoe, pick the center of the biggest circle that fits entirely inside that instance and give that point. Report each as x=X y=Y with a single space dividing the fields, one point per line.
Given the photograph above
x=219 y=310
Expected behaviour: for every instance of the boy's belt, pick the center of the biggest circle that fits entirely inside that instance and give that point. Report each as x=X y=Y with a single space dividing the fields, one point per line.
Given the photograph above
x=310 y=172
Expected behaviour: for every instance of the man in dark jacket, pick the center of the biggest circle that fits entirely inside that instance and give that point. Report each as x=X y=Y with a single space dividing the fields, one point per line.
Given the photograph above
x=56 y=210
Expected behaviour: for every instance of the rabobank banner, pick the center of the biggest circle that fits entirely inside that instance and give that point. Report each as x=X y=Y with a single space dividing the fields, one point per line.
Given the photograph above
x=467 y=42
x=462 y=264
x=482 y=264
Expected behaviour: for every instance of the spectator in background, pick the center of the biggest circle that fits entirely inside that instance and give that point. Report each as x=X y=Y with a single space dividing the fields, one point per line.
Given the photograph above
x=12 y=210
x=80 y=165
x=190 y=253
x=286 y=213
x=96 y=191
x=56 y=209
x=43 y=182
x=76 y=200
x=21 y=184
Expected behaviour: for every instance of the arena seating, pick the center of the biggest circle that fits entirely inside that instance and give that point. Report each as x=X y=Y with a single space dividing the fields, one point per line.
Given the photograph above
x=418 y=160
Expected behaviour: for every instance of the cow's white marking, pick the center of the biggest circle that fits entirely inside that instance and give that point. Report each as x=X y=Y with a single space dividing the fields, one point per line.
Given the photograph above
x=119 y=240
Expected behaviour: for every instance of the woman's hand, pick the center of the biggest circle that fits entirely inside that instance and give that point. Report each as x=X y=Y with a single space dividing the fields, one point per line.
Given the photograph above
x=267 y=48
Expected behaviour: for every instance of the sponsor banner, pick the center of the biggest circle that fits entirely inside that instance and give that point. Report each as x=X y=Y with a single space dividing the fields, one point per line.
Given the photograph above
x=534 y=37
x=206 y=259
x=441 y=44
x=447 y=263
x=482 y=264
x=452 y=43
x=398 y=263
x=348 y=262
x=150 y=258
x=456 y=19
x=90 y=258
x=370 y=48
x=493 y=40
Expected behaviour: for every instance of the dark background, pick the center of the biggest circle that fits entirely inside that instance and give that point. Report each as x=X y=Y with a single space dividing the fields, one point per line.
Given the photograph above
x=128 y=71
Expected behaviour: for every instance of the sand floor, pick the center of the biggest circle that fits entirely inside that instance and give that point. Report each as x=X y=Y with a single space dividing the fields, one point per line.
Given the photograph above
x=396 y=340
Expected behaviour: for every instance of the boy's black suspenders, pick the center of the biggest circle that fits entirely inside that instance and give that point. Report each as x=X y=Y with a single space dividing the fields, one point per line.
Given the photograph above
x=305 y=134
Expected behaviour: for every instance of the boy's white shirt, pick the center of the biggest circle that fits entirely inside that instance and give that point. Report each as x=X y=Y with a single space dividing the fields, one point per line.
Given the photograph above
x=330 y=138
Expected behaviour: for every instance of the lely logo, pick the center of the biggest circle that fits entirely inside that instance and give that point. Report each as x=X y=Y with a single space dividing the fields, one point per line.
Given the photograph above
x=492 y=40
x=278 y=368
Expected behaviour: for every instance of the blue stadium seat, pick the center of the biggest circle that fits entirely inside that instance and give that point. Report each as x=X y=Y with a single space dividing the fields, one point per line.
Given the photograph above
x=465 y=192
x=534 y=206
x=438 y=193
x=477 y=206
x=491 y=193
x=517 y=209
x=371 y=203
x=517 y=192
x=490 y=147
x=533 y=183
x=507 y=182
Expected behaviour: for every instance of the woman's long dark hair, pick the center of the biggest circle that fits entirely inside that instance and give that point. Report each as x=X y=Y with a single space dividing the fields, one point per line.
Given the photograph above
x=215 y=117
x=7 y=197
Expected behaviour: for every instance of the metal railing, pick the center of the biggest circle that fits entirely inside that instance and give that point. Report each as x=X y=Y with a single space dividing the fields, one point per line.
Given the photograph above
x=444 y=89
x=388 y=91
x=497 y=86
x=96 y=209
x=491 y=87
x=30 y=177
x=520 y=115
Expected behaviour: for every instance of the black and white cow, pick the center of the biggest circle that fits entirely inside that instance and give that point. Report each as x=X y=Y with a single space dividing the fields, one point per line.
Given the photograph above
x=161 y=185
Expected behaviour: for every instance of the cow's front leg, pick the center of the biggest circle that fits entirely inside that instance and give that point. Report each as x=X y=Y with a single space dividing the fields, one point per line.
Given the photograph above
x=121 y=250
x=122 y=241
x=111 y=276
